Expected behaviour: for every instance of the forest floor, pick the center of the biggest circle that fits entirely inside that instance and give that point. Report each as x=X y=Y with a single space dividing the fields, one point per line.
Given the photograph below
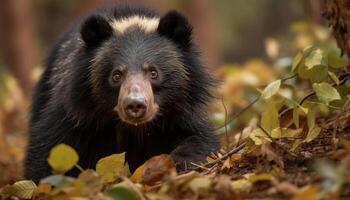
x=318 y=169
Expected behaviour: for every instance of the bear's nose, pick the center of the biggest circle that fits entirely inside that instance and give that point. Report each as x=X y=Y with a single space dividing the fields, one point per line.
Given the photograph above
x=135 y=107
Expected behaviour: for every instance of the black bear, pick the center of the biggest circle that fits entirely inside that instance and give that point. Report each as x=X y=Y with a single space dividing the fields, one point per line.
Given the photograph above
x=123 y=79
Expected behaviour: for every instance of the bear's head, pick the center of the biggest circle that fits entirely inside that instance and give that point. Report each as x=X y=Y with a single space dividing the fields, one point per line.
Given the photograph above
x=138 y=66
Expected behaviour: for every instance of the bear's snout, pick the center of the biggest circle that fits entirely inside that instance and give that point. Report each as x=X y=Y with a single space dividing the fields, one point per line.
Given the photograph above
x=136 y=103
x=135 y=106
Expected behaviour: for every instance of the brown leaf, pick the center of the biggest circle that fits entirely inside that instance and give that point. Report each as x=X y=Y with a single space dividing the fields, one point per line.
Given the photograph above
x=272 y=154
x=91 y=182
x=156 y=168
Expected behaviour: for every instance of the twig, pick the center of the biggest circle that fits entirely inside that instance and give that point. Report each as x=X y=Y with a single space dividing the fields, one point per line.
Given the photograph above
x=239 y=113
x=233 y=117
x=232 y=151
x=226 y=134
x=200 y=166
x=275 y=142
x=343 y=77
x=133 y=187
x=266 y=133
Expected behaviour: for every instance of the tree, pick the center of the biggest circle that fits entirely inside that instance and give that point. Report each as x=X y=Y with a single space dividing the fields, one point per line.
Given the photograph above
x=338 y=14
x=19 y=50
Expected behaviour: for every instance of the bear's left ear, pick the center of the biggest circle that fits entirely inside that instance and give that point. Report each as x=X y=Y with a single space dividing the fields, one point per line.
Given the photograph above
x=175 y=27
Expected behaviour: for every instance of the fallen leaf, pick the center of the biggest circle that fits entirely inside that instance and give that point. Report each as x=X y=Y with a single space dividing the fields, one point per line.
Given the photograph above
x=307 y=193
x=62 y=158
x=241 y=185
x=110 y=167
x=122 y=192
x=200 y=185
x=157 y=168
x=24 y=189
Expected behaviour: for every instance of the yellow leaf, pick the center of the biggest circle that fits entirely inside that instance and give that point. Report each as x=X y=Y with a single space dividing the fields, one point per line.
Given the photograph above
x=241 y=185
x=334 y=77
x=24 y=189
x=258 y=137
x=62 y=158
x=296 y=144
x=285 y=132
x=307 y=193
x=312 y=134
x=271 y=89
x=137 y=175
x=43 y=188
x=296 y=116
x=311 y=119
x=260 y=177
x=297 y=59
x=269 y=118
x=110 y=167
x=345 y=143
x=200 y=184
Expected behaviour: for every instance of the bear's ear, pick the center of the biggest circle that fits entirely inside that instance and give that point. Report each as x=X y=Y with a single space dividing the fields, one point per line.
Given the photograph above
x=95 y=30
x=176 y=27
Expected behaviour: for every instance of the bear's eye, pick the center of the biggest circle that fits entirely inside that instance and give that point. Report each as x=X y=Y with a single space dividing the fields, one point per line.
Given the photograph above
x=153 y=74
x=117 y=75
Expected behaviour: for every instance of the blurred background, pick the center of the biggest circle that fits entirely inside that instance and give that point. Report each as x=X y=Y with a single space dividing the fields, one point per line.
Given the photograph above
x=245 y=43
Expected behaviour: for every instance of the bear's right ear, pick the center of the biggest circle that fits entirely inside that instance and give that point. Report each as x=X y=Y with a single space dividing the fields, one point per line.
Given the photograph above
x=175 y=27
x=95 y=30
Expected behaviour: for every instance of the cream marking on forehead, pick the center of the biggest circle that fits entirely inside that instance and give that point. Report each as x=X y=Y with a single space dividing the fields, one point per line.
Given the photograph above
x=147 y=24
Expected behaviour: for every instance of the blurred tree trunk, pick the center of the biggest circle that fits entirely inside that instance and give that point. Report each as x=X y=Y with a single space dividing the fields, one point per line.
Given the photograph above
x=18 y=47
x=337 y=12
x=314 y=11
x=201 y=15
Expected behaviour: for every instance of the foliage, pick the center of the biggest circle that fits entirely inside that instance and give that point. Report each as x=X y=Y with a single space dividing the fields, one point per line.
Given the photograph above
x=287 y=138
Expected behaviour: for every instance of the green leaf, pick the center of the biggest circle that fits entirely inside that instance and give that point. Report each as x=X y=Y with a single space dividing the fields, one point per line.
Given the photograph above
x=335 y=61
x=316 y=58
x=24 y=189
x=269 y=118
x=325 y=92
x=334 y=77
x=296 y=61
x=315 y=75
x=122 y=193
x=110 y=167
x=57 y=180
x=271 y=89
x=62 y=158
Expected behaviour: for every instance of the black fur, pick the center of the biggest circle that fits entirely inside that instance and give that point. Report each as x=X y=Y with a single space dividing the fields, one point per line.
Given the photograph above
x=73 y=102
x=95 y=30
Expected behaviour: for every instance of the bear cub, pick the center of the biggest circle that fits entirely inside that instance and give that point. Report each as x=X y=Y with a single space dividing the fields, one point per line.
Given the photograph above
x=122 y=79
